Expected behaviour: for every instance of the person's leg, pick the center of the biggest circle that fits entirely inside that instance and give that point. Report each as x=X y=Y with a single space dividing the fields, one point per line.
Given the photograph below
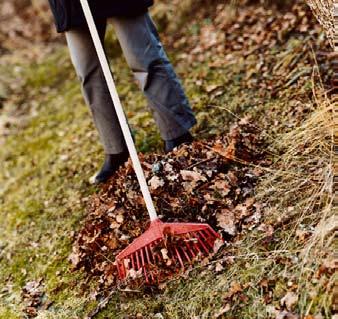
x=94 y=87
x=156 y=77
x=96 y=94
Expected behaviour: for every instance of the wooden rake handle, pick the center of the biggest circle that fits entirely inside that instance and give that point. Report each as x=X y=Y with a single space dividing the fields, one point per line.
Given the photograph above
x=119 y=110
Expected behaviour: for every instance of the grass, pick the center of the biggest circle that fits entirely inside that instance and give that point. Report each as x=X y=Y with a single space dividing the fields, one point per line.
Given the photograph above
x=48 y=158
x=53 y=190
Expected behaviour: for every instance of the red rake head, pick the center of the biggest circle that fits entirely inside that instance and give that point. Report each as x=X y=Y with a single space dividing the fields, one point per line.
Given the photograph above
x=183 y=242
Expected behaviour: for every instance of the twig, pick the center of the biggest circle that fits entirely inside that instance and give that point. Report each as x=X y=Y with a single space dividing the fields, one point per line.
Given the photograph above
x=201 y=162
x=101 y=305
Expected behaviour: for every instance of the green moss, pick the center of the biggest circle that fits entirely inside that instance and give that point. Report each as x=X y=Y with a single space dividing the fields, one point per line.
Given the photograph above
x=6 y=313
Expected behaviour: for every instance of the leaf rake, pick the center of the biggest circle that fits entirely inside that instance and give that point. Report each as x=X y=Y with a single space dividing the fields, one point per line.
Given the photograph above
x=189 y=240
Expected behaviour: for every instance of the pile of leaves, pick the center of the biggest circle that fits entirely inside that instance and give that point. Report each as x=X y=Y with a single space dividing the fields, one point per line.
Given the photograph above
x=208 y=181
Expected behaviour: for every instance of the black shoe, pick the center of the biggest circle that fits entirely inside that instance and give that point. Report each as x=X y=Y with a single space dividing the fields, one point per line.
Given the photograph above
x=171 y=144
x=111 y=164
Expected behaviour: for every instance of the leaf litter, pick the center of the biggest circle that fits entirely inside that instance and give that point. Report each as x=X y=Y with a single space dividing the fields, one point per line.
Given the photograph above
x=210 y=181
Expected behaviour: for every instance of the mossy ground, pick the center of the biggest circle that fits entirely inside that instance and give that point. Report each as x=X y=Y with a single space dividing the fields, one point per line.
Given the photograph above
x=47 y=160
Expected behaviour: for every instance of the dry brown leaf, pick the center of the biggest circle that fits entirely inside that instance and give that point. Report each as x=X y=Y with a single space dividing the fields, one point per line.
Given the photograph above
x=217 y=245
x=219 y=267
x=289 y=300
x=164 y=253
x=227 y=221
x=222 y=187
x=119 y=219
x=155 y=182
x=192 y=176
x=228 y=152
x=244 y=210
x=235 y=287
x=74 y=258
x=112 y=243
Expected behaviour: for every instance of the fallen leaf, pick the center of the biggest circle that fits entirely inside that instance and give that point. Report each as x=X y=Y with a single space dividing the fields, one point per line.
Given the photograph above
x=289 y=300
x=217 y=245
x=227 y=221
x=235 y=287
x=133 y=274
x=192 y=176
x=219 y=267
x=120 y=219
x=222 y=187
x=112 y=243
x=245 y=209
x=74 y=258
x=155 y=182
x=228 y=152
x=164 y=253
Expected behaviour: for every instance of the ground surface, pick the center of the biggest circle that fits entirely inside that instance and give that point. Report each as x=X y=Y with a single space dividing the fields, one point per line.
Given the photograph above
x=260 y=173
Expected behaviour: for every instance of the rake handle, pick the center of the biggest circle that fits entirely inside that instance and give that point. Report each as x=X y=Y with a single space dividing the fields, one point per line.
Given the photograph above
x=119 y=110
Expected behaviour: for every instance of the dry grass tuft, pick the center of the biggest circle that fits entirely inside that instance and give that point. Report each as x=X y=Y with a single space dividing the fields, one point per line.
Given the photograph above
x=299 y=199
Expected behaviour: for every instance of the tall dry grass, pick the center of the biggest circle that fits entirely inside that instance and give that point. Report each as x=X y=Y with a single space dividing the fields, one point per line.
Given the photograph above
x=300 y=194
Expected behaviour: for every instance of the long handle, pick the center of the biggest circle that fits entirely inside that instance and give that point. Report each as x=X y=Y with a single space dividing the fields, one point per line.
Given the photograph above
x=119 y=111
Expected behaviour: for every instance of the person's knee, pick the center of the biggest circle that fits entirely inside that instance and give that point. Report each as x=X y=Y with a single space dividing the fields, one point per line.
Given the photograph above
x=144 y=76
x=94 y=88
x=90 y=74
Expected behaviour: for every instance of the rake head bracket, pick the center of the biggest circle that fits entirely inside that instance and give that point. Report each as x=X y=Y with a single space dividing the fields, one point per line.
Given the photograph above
x=183 y=241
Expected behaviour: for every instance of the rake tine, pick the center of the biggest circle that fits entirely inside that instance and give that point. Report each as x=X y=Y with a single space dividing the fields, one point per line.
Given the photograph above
x=147 y=254
x=179 y=257
x=186 y=254
x=151 y=247
x=191 y=251
x=202 y=244
x=197 y=248
x=190 y=247
x=206 y=239
x=137 y=260
x=211 y=232
x=121 y=270
x=146 y=248
x=124 y=267
x=132 y=261
x=144 y=266
x=153 y=255
x=157 y=255
x=142 y=257
x=211 y=237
